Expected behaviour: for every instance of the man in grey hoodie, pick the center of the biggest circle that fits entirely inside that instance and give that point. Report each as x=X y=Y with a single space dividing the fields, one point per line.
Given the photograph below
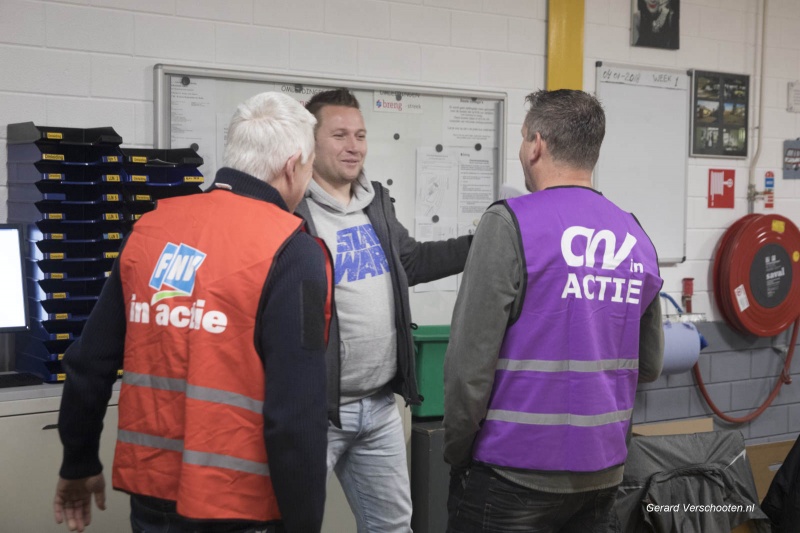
x=370 y=353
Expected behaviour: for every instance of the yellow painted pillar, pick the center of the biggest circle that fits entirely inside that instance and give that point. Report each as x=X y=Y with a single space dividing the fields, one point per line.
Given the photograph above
x=565 y=44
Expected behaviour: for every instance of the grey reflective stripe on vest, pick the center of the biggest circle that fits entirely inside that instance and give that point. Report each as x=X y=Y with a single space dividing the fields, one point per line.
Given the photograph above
x=225 y=461
x=193 y=457
x=154 y=382
x=558 y=419
x=569 y=365
x=151 y=441
x=195 y=392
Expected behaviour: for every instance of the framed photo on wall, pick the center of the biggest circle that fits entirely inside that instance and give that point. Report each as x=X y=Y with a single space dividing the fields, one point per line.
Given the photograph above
x=656 y=23
x=719 y=114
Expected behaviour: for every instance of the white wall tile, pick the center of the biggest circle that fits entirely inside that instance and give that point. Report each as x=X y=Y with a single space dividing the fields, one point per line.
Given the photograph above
x=722 y=24
x=458 y=66
x=384 y=59
x=142 y=124
x=466 y=5
x=165 y=7
x=690 y=20
x=699 y=53
x=509 y=70
x=527 y=36
x=44 y=71
x=22 y=22
x=92 y=113
x=608 y=42
x=516 y=8
x=165 y=37
x=323 y=53
x=784 y=8
x=122 y=77
x=82 y=28
x=21 y=108
x=596 y=12
x=733 y=57
x=82 y=2
x=420 y=24
x=228 y=11
x=473 y=30
x=701 y=243
x=252 y=45
x=780 y=123
x=517 y=107
x=619 y=13
x=780 y=62
x=363 y=18
x=295 y=14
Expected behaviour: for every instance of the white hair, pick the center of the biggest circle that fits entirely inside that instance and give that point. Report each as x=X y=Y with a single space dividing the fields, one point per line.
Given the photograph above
x=265 y=131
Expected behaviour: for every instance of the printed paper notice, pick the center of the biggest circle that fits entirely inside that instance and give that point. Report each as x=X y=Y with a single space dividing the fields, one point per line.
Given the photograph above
x=468 y=122
x=475 y=187
x=192 y=116
x=436 y=205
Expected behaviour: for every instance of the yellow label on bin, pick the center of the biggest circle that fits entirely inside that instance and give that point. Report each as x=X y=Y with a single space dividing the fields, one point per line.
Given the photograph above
x=62 y=336
x=112 y=159
x=55 y=216
x=53 y=157
x=56 y=255
x=119 y=373
x=59 y=295
x=142 y=197
x=778 y=226
x=55 y=176
x=60 y=356
x=61 y=377
x=138 y=159
x=138 y=177
x=62 y=316
x=113 y=236
x=193 y=179
x=57 y=236
x=54 y=135
x=110 y=216
x=112 y=197
x=111 y=177
x=136 y=216
x=56 y=275
x=111 y=255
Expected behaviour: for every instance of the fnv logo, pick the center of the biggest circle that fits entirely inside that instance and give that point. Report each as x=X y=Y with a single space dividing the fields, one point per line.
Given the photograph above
x=176 y=268
x=617 y=287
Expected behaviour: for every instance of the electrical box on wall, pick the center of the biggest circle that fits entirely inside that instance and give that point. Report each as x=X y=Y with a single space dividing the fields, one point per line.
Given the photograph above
x=791 y=160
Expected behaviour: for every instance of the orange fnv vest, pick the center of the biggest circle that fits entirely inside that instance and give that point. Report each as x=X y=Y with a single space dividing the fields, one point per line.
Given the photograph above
x=191 y=426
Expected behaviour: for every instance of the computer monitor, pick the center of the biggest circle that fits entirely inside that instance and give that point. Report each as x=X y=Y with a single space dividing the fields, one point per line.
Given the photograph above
x=13 y=291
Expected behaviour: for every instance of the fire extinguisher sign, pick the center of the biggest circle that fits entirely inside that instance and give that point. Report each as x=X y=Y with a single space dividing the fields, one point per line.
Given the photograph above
x=769 y=190
x=720 y=187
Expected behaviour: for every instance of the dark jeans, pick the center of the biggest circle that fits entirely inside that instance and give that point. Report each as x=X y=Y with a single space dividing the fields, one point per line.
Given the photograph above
x=152 y=515
x=482 y=501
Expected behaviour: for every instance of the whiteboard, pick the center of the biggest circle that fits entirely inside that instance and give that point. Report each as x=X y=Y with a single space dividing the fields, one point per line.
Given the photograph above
x=644 y=158
x=439 y=150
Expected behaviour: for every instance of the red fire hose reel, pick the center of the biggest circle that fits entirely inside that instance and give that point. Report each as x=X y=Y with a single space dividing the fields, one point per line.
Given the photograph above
x=757 y=274
x=757 y=288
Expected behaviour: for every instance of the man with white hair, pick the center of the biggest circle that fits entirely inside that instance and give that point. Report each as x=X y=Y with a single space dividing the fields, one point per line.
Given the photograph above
x=220 y=328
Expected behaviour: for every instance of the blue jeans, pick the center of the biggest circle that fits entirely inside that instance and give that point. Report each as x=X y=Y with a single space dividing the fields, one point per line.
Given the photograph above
x=482 y=501
x=369 y=457
x=152 y=515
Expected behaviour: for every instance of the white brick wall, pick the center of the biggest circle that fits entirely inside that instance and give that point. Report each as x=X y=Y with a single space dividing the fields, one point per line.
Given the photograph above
x=22 y=22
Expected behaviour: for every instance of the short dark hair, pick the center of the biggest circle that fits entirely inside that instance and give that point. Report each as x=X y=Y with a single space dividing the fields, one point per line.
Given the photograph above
x=339 y=97
x=572 y=122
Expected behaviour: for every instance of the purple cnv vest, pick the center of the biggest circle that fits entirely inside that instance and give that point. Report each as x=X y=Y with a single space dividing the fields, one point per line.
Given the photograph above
x=567 y=370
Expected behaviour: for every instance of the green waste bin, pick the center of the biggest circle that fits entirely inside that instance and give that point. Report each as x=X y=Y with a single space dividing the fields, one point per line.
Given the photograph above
x=430 y=345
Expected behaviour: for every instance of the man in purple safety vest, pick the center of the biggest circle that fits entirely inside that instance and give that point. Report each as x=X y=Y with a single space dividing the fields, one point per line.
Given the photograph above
x=556 y=321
